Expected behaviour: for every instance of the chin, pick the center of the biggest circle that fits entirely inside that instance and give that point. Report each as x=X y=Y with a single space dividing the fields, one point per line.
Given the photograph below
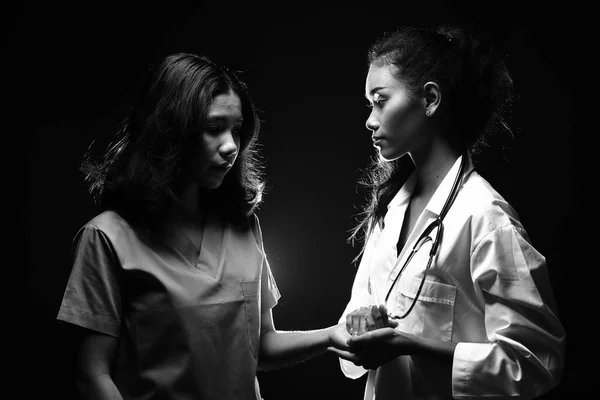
x=388 y=155
x=211 y=185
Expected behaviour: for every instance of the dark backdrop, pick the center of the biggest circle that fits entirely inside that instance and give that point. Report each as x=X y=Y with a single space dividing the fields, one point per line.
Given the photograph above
x=74 y=68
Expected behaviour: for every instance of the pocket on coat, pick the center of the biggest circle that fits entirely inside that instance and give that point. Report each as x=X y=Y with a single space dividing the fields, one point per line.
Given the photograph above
x=433 y=314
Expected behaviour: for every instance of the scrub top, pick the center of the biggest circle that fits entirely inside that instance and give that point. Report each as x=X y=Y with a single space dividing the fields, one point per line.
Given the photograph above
x=188 y=324
x=487 y=290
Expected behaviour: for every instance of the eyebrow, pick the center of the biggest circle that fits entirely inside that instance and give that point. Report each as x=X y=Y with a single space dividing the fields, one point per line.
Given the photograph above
x=375 y=89
x=222 y=117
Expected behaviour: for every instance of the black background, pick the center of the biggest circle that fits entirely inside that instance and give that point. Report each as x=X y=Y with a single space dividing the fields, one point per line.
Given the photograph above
x=72 y=69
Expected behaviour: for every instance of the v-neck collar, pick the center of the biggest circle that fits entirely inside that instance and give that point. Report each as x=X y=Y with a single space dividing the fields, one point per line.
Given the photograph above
x=211 y=253
x=181 y=242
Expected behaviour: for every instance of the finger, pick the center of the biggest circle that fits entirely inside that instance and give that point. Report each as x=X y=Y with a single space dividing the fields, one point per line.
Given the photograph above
x=363 y=325
x=349 y=323
x=370 y=323
x=356 y=325
x=376 y=317
x=373 y=336
x=384 y=315
x=383 y=309
x=356 y=343
x=346 y=355
x=392 y=323
x=375 y=311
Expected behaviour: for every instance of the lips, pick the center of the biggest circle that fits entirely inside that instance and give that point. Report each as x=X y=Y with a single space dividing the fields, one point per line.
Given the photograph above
x=376 y=139
x=222 y=167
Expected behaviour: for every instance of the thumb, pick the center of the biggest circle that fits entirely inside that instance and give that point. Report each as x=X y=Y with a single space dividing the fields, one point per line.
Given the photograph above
x=392 y=323
x=384 y=315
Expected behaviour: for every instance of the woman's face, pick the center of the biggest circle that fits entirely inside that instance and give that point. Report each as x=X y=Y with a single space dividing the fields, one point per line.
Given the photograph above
x=397 y=115
x=219 y=141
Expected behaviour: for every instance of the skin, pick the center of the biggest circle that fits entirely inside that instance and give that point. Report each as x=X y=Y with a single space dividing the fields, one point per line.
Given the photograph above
x=280 y=349
x=402 y=122
x=217 y=151
x=218 y=147
x=396 y=114
x=96 y=355
x=218 y=144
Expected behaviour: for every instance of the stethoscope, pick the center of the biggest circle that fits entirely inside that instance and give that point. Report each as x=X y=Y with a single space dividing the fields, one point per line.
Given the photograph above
x=425 y=237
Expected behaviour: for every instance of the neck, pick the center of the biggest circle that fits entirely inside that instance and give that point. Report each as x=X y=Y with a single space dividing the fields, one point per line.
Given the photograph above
x=188 y=207
x=431 y=166
x=189 y=197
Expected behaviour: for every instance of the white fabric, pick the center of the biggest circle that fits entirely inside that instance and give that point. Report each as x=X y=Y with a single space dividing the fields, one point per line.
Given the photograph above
x=487 y=290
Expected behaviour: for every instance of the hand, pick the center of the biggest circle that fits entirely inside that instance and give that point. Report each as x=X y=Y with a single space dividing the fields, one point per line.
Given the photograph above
x=375 y=348
x=338 y=337
x=366 y=319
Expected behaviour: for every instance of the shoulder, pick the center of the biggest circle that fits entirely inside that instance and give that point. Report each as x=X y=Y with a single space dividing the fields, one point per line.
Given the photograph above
x=254 y=223
x=487 y=209
x=112 y=231
x=111 y=223
x=108 y=225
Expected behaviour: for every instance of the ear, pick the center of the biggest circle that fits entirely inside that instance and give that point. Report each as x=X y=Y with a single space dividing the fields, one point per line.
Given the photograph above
x=432 y=97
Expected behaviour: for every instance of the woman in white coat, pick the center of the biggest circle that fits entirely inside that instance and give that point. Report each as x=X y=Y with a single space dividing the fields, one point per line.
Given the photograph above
x=465 y=299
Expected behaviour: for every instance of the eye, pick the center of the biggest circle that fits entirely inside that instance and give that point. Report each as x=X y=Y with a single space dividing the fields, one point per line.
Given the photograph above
x=378 y=101
x=213 y=129
x=375 y=103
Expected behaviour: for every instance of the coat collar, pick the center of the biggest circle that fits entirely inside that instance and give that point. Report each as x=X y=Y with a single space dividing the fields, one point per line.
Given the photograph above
x=437 y=201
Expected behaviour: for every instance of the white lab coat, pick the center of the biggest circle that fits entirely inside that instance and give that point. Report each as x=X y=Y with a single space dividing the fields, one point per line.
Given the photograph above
x=487 y=290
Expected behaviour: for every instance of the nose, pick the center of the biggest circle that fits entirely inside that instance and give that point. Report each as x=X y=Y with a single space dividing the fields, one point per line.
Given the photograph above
x=229 y=147
x=372 y=124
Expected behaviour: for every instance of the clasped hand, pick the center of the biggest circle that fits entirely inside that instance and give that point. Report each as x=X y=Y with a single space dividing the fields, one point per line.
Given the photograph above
x=367 y=319
x=369 y=339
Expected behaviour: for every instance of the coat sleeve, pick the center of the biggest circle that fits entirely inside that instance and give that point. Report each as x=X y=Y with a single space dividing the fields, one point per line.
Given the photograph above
x=525 y=353
x=360 y=297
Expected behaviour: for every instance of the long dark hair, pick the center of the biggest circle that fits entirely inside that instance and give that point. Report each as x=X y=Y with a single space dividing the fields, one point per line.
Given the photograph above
x=472 y=76
x=143 y=166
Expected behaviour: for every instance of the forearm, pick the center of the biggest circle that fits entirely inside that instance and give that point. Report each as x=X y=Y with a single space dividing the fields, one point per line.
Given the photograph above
x=281 y=349
x=99 y=387
x=441 y=351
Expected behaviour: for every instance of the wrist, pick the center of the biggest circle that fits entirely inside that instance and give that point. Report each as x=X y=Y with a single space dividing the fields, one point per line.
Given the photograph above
x=330 y=341
x=331 y=334
x=420 y=345
x=433 y=348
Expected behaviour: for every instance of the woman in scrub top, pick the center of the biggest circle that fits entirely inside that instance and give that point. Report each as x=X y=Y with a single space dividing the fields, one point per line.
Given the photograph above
x=170 y=283
x=480 y=321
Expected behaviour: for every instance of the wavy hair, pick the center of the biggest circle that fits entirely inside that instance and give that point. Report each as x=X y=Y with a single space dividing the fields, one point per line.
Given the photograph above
x=143 y=167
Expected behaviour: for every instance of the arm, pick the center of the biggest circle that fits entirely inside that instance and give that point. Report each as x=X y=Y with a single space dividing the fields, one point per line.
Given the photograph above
x=283 y=349
x=92 y=306
x=525 y=352
x=93 y=379
x=377 y=347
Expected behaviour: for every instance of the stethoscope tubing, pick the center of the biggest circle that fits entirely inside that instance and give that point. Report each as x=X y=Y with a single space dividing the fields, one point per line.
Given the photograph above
x=424 y=238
